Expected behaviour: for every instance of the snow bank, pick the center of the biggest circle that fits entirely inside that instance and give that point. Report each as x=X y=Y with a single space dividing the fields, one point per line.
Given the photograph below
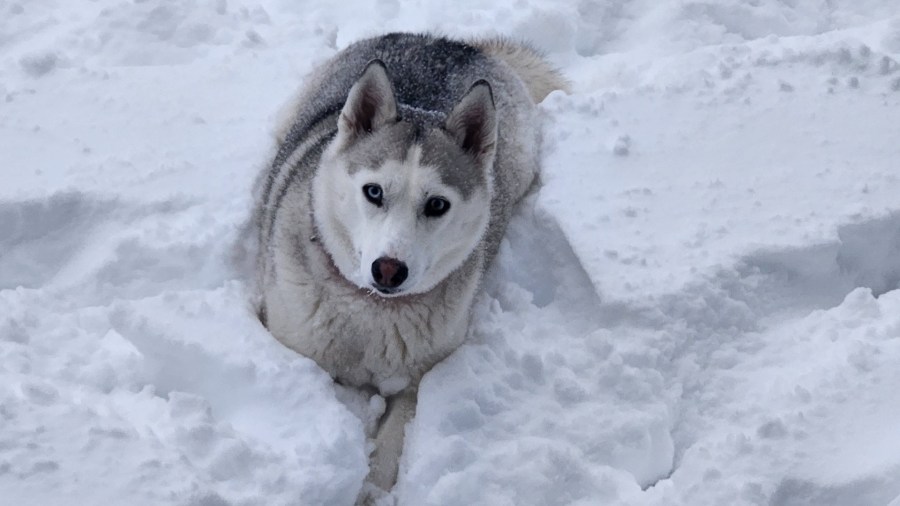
x=700 y=306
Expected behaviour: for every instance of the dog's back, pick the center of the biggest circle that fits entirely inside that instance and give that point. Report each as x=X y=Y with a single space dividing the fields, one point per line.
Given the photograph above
x=539 y=76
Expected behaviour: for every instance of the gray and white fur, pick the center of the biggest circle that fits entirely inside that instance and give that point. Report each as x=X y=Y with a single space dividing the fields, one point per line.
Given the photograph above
x=397 y=170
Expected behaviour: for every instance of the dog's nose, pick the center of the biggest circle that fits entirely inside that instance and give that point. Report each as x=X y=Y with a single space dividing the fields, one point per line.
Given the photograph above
x=389 y=272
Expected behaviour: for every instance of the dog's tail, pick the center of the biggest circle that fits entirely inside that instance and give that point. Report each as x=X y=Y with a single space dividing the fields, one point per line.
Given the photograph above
x=538 y=75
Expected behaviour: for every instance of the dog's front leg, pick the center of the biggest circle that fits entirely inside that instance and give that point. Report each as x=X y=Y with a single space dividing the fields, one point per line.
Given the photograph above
x=385 y=460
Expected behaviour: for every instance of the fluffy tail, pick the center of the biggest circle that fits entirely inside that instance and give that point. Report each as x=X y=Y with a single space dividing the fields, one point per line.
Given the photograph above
x=537 y=74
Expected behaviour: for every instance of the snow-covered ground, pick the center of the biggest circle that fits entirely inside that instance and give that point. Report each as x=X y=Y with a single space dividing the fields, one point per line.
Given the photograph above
x=699 y=307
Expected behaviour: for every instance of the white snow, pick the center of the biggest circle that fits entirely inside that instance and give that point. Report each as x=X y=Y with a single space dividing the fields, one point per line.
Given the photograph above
x=701 y=306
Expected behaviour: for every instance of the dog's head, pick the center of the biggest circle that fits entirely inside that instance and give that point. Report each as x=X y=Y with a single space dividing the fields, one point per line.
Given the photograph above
x=400 y=204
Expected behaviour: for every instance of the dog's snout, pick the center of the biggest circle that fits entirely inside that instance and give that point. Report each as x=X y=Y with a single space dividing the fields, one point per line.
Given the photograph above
x=389 y=272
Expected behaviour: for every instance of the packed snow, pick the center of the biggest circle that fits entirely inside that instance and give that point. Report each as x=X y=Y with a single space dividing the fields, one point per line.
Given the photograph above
x=700 y=306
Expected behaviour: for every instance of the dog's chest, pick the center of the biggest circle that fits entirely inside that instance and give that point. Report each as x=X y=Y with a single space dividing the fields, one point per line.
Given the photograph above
x=360 y=338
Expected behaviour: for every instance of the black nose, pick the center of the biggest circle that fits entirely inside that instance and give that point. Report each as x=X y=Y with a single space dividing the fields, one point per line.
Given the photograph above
x=389 y=272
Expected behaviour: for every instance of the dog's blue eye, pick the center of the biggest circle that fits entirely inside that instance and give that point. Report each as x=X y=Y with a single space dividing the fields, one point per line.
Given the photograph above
x=436 y=206
x=373 y=193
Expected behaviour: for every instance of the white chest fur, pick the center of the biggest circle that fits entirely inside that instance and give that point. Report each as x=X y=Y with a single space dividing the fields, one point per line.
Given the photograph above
x=358 y=337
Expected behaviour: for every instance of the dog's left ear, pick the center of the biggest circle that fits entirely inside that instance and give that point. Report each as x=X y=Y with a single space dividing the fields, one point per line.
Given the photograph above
x=370 y=104
x=473 y=122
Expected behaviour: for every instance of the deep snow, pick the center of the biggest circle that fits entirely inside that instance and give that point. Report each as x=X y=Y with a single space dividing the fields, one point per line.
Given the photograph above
x=701 y=306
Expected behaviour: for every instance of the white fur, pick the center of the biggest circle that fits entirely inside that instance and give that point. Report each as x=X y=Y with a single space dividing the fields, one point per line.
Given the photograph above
x=356 y=233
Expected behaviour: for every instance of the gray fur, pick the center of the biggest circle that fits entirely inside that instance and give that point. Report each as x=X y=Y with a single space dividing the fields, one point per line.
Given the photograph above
x=360 y=338
x=459 y=172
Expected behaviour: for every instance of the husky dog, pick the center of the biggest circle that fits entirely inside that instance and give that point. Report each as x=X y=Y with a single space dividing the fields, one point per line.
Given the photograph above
x=396 y=173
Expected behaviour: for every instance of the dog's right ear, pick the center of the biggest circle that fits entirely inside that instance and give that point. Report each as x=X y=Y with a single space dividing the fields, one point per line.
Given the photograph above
x=370 y=105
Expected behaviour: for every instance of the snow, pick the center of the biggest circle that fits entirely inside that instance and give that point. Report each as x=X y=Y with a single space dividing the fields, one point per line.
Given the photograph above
x=701 y=306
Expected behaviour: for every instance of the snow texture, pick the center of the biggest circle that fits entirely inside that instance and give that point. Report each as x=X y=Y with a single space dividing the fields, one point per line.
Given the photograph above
x=701 y=305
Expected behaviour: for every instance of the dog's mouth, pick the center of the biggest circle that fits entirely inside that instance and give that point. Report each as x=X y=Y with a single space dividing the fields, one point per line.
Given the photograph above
x=384 y=290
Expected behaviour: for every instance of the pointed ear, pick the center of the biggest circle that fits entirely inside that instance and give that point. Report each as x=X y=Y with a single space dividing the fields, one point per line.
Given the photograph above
x=473 y=122
x=370 y=104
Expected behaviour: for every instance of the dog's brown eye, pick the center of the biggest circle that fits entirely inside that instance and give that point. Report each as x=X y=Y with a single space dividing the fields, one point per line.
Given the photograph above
x=374 y=194
x=436 y=206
